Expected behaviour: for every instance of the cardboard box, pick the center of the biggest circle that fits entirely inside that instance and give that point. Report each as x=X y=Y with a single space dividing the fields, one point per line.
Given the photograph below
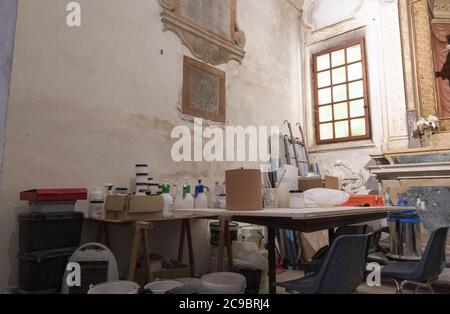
x=125 y=207
x=244 y=190
x=116 y=203
x=326 y=182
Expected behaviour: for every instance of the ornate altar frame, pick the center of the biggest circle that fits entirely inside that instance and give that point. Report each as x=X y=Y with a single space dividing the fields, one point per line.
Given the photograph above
x=204 y=44
x=418 y=15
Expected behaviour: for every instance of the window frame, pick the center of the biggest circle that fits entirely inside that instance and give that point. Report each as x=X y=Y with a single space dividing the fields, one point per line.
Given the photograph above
x=365 y=97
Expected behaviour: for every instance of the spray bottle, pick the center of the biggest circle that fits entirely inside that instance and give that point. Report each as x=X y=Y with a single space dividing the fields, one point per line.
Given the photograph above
x=168 y=200
x=187 y=196
x=201 y=201
x=179 y=198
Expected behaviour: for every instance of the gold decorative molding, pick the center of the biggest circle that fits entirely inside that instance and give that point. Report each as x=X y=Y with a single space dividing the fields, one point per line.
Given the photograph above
x=423 y=55
x=203 y=43
x=441 y=11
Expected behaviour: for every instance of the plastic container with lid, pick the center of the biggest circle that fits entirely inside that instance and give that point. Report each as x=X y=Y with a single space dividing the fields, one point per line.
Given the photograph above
x=194 y=284
x=296 y=199
x=96 y=209
x=115 y=287
x=141 y=168
x=97 y=195
x=223 y=283
x=121 y=191
x=142 y=178
x=141 y=187
x=164 y=286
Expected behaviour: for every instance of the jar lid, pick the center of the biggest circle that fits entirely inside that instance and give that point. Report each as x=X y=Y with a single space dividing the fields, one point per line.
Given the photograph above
x=141 y=174
x=295 y=192
x=141 y=184
x=97 y=202
x=141 y=165
x=121 y=189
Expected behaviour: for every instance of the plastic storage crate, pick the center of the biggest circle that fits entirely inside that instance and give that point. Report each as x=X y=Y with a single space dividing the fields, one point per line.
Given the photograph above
x=40 y=232
x=43 y=270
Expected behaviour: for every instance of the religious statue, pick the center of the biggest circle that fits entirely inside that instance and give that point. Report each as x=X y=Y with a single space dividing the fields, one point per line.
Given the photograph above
x=445 y=72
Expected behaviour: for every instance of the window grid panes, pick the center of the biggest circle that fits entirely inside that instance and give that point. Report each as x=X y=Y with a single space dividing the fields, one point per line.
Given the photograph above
x=341 y=94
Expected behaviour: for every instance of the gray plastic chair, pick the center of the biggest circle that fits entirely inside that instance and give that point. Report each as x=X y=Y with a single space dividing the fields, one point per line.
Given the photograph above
x=424 y=273
x=313 y=266
x=341 y=272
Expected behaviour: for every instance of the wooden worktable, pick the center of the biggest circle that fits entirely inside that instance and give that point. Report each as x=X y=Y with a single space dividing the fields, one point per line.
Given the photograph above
x=141 y=237
x=303 y=220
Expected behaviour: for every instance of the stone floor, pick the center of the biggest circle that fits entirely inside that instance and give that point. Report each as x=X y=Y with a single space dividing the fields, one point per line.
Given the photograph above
x=442 y=287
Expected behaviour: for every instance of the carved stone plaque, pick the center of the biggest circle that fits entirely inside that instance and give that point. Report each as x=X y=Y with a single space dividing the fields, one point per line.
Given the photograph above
x=215 y=16
x=203 y=91
x=208 y=28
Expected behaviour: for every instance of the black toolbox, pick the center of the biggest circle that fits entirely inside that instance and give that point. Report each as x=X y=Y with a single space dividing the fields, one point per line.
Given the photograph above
x=43 y=270
x=41 y=232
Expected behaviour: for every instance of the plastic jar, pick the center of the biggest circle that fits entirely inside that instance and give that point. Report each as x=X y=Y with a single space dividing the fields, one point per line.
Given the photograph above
x=296 y=199
x=121 y=191
x=141 y=187
x=141 y=168
x=96 y=209
x=142 y=178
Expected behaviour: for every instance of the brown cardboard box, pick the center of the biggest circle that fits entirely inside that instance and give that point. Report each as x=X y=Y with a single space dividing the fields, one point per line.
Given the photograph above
x=125 y=207
x=116 y=203
x=145 y=204
x=244 y=190
x=327 y=182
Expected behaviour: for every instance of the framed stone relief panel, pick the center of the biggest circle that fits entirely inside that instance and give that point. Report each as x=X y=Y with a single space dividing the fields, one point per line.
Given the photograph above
x=208 y=28
x=204 y=91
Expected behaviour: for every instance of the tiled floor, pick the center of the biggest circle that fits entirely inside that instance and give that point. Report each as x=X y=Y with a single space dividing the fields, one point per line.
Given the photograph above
x=363 y=289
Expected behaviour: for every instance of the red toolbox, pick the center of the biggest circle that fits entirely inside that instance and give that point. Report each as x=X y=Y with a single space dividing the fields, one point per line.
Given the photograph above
x=365 y=201
x=48 y=195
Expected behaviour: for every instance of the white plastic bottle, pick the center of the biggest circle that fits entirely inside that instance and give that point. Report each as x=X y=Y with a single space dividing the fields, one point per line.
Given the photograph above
x=96 y=204
x=187 y=196
x=201 y=201
x=179 y=198
x=168 y=200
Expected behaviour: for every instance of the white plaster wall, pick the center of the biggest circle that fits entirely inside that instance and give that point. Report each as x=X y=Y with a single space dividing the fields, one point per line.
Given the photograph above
x=377 y=21
x=342 y=10
x=88 y=103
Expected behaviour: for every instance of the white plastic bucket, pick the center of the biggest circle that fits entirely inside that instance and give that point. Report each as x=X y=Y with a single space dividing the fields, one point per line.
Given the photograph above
x=162 y=287
x=223 y=283
x=194 y=284
x=115 y=287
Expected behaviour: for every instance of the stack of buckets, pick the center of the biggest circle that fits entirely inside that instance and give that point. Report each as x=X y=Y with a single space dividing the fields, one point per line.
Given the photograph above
x=255 y=278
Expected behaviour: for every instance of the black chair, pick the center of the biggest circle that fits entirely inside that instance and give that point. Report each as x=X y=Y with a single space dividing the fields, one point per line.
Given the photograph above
x=424 y=273
x=341 y=272
x=313 y=266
